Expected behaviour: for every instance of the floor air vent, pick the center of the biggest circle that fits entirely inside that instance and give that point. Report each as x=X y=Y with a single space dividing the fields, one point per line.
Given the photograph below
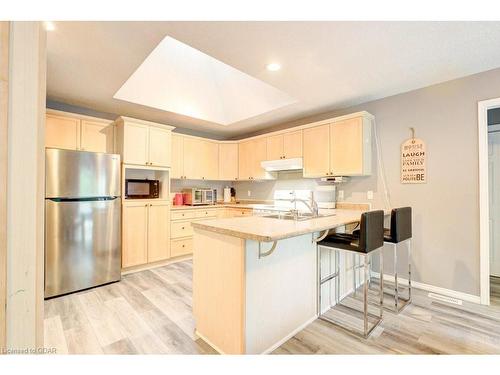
x=441 y=298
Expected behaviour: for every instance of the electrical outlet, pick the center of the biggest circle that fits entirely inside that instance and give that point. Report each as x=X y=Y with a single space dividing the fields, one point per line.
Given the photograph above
x=249 y=193
x=341 y=194
x=369 y=194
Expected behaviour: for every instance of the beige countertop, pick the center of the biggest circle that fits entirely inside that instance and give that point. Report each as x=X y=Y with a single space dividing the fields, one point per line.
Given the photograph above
x=265 y=229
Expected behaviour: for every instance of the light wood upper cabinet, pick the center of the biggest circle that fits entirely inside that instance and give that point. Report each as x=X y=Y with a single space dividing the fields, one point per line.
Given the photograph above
x=244 y=160
x=258 y=155
x=83 y=133
x=317 y=151
x=135 y=144
x=342 y=148
x=143 y=142
x=250 y=154
x=159 y=146
x=158 y=231
x=284 y=146
x=346 y=147
x=177 y=158
x=292 y=145
x=192 y=158
x=134 y=234
x=62 y=132
x=228 y=161
x=275 y=147
x=97 y=136
x=210 y=160
x=200 y=159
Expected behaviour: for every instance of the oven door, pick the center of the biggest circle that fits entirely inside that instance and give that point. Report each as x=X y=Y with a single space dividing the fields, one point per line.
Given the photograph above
x=208 y=196
x=197 y=196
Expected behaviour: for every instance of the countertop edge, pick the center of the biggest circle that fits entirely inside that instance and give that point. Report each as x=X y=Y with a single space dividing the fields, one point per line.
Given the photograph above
x=247 y=236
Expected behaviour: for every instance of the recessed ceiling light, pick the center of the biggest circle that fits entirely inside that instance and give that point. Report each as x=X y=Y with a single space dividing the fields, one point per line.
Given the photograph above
x=49 y=26
x=273 y=67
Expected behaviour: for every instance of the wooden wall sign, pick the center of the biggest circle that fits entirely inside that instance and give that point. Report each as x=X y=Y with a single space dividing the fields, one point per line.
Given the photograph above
x=413 y=161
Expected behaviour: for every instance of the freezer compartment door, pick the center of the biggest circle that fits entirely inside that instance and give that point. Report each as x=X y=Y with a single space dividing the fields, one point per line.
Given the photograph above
x=82 y=244
x=78 y=174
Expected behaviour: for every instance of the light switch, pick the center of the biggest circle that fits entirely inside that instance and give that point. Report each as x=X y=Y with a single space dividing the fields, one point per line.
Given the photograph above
x=369 y=194
x=249 y=193
x=341 y=194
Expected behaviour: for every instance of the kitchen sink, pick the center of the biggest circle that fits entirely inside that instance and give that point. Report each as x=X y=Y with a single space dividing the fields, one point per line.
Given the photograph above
x=301 y=217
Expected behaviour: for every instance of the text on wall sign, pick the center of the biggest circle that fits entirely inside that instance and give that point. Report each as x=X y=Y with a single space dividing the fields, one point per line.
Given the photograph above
x=413 y=161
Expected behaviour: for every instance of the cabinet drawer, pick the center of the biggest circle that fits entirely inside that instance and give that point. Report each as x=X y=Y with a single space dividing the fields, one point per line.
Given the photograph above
x=206 y=213
x=182 y=214
x=181 y=229
x=242 y=212
x=181 y=247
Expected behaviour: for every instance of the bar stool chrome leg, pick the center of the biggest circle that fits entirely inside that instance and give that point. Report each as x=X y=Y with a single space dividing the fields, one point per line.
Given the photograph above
x=400 y=302
x=396 y=289
x=409 y=270
x=365 y=295
x=367 y=330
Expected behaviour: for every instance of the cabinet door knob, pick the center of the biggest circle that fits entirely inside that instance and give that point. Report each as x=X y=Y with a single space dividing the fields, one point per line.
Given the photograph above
x=182 y=227
x=145 y=205
x=150 y=205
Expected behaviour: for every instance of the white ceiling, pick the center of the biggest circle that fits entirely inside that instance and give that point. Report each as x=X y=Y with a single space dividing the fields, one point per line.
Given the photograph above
x=325 y=65
x=178 y=78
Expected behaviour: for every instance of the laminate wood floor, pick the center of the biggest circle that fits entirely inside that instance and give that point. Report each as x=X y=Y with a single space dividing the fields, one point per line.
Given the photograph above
x=149 y=312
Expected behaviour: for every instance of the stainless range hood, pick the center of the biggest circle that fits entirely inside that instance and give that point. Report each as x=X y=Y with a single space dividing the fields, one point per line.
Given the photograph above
x=282 y=165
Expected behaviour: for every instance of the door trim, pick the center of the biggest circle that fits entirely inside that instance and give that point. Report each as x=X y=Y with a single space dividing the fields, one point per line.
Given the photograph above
x=4 y=78
x=484 y=230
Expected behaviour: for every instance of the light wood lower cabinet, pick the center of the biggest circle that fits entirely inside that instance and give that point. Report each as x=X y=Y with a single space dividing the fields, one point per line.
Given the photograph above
x=182 y=231
x=181 y=247
x=134 y=234
x=145 y=232
x=158 y=232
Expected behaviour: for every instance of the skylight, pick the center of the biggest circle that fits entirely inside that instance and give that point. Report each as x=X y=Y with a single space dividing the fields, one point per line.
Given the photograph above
x=181 y=79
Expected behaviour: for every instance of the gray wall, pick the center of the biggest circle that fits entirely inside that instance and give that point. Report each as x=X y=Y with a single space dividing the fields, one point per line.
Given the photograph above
x=446 y=208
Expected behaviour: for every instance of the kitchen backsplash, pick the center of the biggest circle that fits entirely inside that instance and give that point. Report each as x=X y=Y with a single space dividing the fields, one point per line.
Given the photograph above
x=176 y=186
x=264 y=190
x=354 y=191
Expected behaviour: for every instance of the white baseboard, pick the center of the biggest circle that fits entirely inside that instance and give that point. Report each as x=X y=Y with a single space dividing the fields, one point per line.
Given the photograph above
x=289 y=336
x=201 y=336
x=272 y=347
x=150 y=266
x=432 y=288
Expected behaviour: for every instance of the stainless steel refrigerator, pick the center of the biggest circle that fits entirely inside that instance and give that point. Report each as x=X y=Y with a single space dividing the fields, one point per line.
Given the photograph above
x=82 y=220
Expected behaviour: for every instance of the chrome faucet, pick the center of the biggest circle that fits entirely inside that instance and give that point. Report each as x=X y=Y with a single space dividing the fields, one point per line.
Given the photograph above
x=312 y=205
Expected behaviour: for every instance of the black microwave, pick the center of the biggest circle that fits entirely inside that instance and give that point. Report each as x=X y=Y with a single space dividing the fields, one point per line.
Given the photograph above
x=142 y=189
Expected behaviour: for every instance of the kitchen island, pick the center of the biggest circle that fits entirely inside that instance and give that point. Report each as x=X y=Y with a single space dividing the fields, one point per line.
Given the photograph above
x=254 y=279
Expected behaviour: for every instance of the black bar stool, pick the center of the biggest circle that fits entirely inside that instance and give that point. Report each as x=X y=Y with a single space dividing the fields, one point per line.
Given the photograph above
x=399 y=232
x=370 y=238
